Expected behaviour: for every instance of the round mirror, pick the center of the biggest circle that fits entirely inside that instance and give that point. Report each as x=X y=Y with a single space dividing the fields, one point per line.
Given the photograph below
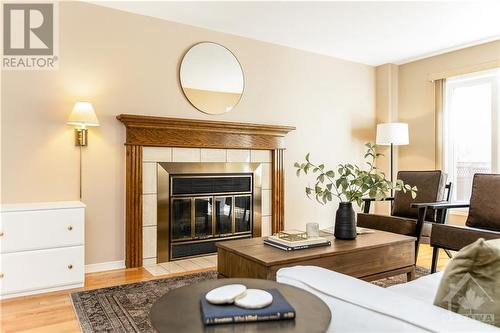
x=211 y=78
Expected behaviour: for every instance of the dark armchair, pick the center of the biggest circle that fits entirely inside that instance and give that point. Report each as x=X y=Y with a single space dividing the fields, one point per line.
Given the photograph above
x=483 y=220
x=404 y=218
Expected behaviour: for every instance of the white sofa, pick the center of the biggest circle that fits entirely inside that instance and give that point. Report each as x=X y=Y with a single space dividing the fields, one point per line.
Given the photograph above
x=359 y=306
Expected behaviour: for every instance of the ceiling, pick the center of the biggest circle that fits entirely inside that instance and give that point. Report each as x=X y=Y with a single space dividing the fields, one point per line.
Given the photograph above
x=373 y=33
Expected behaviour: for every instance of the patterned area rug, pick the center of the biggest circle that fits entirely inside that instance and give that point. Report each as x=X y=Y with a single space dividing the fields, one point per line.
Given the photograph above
x=125 y=308
x=398 y=279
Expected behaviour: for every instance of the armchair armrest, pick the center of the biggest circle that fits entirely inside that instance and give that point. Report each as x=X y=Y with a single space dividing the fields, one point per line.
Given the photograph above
x=440 y=205
x=368 y=201
x=453 y=237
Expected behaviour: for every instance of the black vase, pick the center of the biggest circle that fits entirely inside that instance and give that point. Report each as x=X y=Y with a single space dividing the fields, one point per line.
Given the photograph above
x=345 y=221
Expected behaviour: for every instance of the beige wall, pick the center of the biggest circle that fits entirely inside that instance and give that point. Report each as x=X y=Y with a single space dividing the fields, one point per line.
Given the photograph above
x=416 y=99
x=125 y=63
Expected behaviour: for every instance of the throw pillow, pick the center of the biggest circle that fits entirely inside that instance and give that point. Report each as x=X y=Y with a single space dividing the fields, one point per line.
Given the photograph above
x=471 y=282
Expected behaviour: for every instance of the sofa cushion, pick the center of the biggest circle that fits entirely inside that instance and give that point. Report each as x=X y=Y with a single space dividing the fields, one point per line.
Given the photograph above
x=424 y=288
x=471 y=282
x=359 y=306
x=484 y=211
x=398 y=225
x=430 y=188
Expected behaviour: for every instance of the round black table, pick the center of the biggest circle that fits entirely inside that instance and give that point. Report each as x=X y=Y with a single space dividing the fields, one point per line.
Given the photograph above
x=179 y=310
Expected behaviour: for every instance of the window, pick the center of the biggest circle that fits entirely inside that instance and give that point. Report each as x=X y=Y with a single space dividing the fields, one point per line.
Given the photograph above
x=471 y=129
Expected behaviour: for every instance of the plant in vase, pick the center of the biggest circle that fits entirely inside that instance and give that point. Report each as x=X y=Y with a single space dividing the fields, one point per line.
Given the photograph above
x=350 y=184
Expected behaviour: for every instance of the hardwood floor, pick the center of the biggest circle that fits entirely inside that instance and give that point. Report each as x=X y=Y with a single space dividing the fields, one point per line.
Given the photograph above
x=53 y=312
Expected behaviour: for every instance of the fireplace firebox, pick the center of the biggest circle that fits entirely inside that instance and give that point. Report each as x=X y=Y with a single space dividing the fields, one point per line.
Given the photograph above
x=200 y=204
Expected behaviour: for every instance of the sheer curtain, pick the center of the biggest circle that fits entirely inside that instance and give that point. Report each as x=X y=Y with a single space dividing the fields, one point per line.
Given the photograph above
x=467 y=128
x=439 y=100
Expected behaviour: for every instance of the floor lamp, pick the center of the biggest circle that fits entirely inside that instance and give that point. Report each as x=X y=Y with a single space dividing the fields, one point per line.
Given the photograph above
x=392 y=134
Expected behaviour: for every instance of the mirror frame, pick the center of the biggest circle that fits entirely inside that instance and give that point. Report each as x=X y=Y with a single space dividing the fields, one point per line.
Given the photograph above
x=182 y=88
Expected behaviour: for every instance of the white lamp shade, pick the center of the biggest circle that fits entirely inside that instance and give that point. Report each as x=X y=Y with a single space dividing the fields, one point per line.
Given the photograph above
x=395 y=133
x=83 y=114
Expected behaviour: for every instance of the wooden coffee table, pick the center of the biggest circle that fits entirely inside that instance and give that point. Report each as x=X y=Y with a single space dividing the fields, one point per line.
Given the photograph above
x=369 y=257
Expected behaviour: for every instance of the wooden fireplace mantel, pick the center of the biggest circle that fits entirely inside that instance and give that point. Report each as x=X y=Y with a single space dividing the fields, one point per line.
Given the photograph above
x=177 y=132
x=189 y=133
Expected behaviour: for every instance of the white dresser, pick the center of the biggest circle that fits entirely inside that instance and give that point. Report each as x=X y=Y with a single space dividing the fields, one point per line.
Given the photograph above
x=41 y=247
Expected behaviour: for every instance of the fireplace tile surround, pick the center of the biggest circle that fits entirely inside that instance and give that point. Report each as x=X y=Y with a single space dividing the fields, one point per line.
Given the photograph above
x=154 y=155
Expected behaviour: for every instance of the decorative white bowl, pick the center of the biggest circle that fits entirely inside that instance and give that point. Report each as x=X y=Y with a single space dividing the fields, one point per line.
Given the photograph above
x=225 y=294
x=254 y=299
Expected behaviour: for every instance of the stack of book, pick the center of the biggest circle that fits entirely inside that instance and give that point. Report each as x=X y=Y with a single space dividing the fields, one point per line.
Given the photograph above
x=292 y=245
x=279 y=309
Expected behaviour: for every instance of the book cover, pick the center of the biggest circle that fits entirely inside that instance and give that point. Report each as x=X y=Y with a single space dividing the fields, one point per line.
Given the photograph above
x=309 y=241
x=279 y=309
x=294 y=248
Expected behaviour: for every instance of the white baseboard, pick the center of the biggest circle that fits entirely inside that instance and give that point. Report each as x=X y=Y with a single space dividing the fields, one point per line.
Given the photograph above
x=104 y=266
x=41 y=291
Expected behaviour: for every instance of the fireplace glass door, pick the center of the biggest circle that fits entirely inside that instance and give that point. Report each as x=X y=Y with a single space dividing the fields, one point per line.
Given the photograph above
x=223 y=215
x=242 y=212
x=203 y=218
x=207 y=209
x=181 y=214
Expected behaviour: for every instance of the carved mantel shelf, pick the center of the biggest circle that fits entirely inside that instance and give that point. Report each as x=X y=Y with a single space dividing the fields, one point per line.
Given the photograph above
x=176 y=132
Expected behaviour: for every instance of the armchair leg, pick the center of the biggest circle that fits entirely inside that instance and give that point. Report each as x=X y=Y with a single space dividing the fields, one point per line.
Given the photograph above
x=366 y=207
x=448 y=253
x=435 y=257
x=422 y=211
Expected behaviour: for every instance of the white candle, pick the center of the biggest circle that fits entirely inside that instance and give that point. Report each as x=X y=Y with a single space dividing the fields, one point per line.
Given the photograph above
x=312 y=230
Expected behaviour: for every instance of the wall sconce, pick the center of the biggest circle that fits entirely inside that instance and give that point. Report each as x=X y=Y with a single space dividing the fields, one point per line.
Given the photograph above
x=83 y=115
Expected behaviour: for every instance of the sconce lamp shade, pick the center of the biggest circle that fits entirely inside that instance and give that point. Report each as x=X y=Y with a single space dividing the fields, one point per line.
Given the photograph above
x=392 y=133
x=83 y=115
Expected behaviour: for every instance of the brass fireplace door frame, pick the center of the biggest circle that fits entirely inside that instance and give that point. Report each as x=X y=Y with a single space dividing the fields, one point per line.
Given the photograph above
x=164 y=169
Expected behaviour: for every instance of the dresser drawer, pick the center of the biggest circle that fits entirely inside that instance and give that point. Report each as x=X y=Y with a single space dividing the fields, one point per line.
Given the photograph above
x=41 y=229
x=42 y=269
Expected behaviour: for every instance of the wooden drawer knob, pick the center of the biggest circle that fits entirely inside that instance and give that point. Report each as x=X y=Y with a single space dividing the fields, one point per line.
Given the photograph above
x=70 y=266
x=1 y=234
x=70 y=227
x=1 y=275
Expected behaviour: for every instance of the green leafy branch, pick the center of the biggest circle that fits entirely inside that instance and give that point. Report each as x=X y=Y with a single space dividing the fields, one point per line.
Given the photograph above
x=350 y=183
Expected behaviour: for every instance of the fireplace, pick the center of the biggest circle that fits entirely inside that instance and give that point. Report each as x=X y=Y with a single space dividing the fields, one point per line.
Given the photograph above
x=151 y=139
x=200 y=204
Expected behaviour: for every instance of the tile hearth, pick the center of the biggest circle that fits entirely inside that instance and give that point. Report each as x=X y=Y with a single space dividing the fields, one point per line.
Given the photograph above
x=182 y=266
